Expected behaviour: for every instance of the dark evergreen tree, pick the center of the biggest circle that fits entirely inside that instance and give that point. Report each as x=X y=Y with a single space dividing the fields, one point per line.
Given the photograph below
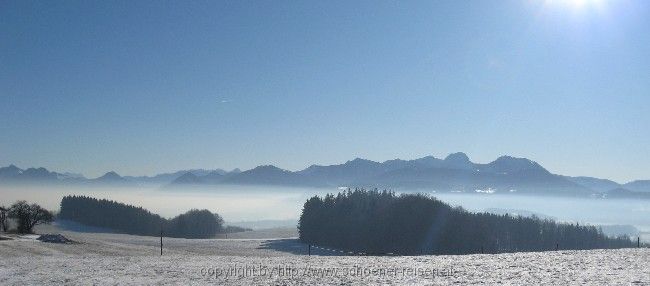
x=129 y=219
x=379 y=222
x=195 y=224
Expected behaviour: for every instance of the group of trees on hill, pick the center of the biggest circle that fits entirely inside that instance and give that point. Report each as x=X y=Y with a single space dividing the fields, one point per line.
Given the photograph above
x=381 y=222
x=195 y=224
x=129 y=219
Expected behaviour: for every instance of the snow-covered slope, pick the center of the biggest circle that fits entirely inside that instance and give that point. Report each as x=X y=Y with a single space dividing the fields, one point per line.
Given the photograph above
x=124 y=259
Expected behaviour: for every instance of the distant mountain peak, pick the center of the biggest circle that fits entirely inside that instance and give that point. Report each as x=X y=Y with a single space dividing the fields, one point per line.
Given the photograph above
x=188 y=178
x=457 y=157
x=37 y=172
x=267 y=168
x=458 y=160
x=267 y=175
x=110 y=176
x=11 y=169
x=514 y=160
x=509 y=164
x=359 y=161
x=41 y=174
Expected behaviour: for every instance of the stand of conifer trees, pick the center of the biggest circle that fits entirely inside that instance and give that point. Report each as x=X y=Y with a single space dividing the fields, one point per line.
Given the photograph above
x=129 y=219
x=380 y=222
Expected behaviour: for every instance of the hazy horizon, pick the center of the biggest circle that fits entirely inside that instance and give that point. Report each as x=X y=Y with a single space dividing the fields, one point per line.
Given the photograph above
x=259 y=203
x=293 y=170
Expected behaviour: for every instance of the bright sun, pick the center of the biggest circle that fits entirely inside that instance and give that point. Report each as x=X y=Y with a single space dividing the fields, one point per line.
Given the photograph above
x=578 y=4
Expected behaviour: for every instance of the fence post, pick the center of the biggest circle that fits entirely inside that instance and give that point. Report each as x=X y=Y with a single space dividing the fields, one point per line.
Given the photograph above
x=557 y=246
x=309 y=249
x=638 y=242
x=161 y=235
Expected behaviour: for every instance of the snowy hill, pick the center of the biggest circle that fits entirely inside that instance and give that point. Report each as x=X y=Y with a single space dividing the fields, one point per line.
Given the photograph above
x=126 y=259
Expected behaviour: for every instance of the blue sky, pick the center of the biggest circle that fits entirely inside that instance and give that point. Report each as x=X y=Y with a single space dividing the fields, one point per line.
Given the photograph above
x=142 y=87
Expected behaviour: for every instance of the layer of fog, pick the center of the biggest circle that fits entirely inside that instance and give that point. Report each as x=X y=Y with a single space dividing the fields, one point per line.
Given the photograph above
x=281 y=206
x=233 y=203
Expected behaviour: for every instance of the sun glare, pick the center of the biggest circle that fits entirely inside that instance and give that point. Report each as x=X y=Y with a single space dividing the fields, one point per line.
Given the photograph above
x=577 y=4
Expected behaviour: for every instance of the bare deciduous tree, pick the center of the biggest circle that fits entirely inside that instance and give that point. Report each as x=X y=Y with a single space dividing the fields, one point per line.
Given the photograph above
x=29 y=216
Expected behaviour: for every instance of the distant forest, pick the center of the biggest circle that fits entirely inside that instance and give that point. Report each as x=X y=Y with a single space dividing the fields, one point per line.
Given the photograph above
x=381 y=222
x=129 y=219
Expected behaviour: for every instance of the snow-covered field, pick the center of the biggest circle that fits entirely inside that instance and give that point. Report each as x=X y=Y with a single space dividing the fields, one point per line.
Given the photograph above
x=125 y=259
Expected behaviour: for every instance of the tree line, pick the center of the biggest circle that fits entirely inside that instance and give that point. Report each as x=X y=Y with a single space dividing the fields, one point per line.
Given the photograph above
x=130 y=219
x=381 y=222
